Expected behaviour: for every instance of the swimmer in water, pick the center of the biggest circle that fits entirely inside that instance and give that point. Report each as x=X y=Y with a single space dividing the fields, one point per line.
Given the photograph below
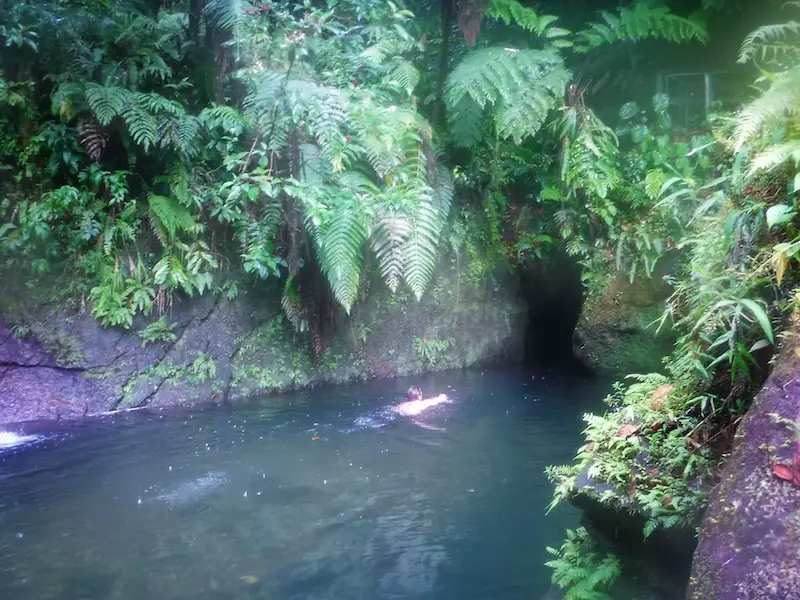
x=415 y=403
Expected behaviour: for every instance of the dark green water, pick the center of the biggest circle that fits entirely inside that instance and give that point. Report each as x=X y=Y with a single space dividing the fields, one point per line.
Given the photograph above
x=243 y=503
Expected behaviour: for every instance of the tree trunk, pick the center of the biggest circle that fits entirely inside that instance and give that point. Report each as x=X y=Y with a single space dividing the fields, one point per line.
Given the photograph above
x=444 y=55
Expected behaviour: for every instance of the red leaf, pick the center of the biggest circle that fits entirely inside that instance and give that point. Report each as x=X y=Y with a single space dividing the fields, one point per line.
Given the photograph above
x=656 y=427
x=666 y=501
x=784 y=472
x=628 y=429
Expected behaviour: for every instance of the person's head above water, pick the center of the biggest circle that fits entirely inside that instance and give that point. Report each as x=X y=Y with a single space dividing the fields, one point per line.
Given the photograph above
x=414 y=393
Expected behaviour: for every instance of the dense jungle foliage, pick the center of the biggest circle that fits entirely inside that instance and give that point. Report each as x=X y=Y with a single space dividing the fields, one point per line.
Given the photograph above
x=159 y=148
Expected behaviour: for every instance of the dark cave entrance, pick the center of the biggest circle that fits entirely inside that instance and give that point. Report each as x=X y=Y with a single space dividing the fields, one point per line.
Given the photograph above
x=554 y=293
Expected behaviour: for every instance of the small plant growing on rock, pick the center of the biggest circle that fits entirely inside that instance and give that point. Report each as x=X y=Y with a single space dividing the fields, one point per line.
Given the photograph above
x=581 y=569
x=430 y=351
x=158 y=331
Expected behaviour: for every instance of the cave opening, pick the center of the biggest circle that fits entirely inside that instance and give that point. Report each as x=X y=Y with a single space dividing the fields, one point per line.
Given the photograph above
x=554 y=292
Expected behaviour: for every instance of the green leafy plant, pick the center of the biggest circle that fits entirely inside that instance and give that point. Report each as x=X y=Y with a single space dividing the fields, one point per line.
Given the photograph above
x=581 y=569
x=430 y=351
x=158 y=331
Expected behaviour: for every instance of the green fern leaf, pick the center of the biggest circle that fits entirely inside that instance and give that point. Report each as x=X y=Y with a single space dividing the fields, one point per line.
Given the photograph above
x=420 y=249
x=521 y=86
x=406 y=75
x=169 y=217
x=639 y=22
x=107 y=102
x=772 y=43
x=780 y=100
x=511 y=11
x=339 y=244
x=389 y=235
x=142 y=126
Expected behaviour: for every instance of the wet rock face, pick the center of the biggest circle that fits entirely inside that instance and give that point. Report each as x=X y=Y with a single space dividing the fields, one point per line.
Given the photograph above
x=67 y=366
x=614 y=334
x=749 y=544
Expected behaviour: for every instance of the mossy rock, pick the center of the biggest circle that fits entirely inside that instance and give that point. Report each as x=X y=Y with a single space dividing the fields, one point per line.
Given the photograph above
x=617 y=330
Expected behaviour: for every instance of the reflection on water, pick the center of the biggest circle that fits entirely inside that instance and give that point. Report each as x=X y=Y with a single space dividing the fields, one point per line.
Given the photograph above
x=333 y=498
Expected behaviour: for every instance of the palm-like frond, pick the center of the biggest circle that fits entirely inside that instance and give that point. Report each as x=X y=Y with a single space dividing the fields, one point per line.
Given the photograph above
x=511 y=11
x=772 y=44
x=389 y=234
x=776 y=155
x=521 y=86
x=639 y=22
x=782 y=99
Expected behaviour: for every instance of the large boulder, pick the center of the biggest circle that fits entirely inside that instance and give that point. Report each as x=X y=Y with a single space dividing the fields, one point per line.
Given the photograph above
x=56 y=363
x=749 y=544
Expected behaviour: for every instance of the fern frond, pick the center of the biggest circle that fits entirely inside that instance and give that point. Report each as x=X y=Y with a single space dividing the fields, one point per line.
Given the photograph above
x=775 y=156
x=780 y=100
x=521 y=86
x=227 y=117
x=377 y=53
x=292 y=305
x=406 y=75
x=772 y=43
x=511 y=11
x=467 y=120
x=168 y=217
x=93 y=138
x=107 y=102
x=156 y=103
x=339 y=243
x=142 y=126
x=639 y=22
x=227 y=14
x=419 y=250
x=390 y=232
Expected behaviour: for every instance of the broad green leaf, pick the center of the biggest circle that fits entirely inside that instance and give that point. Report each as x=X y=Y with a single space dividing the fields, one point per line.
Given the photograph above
x=779 y=214
x=760 y=314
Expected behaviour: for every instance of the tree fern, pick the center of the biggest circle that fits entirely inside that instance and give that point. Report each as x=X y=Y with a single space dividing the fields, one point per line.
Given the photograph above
x=521 y=86
x=639 y=22
x=107 y=102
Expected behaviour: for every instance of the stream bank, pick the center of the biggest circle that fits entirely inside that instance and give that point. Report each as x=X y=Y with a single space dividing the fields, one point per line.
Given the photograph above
x=57 y=363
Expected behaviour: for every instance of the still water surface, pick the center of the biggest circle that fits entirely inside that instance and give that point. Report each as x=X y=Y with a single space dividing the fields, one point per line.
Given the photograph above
x=329 y=497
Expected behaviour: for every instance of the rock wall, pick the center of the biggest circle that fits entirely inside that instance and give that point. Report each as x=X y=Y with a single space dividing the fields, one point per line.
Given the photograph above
x=614 y=335
x=749 y=544
x=67 y=366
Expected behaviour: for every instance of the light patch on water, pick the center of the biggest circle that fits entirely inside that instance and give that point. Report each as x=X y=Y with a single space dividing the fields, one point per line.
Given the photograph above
x=191 y=491
x=9 y=439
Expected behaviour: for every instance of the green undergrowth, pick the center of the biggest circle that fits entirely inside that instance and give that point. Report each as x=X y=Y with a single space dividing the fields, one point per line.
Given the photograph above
x=661 y=445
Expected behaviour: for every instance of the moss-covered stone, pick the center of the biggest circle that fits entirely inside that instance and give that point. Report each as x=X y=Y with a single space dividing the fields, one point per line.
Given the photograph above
x=616 y=332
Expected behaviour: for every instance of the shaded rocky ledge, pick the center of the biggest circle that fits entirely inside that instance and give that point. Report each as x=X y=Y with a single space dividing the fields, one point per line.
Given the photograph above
x=749 y=544
x=67 y=366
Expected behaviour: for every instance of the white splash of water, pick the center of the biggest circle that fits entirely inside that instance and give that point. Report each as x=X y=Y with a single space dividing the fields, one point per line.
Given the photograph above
x=189 y=491
x=9 y=439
